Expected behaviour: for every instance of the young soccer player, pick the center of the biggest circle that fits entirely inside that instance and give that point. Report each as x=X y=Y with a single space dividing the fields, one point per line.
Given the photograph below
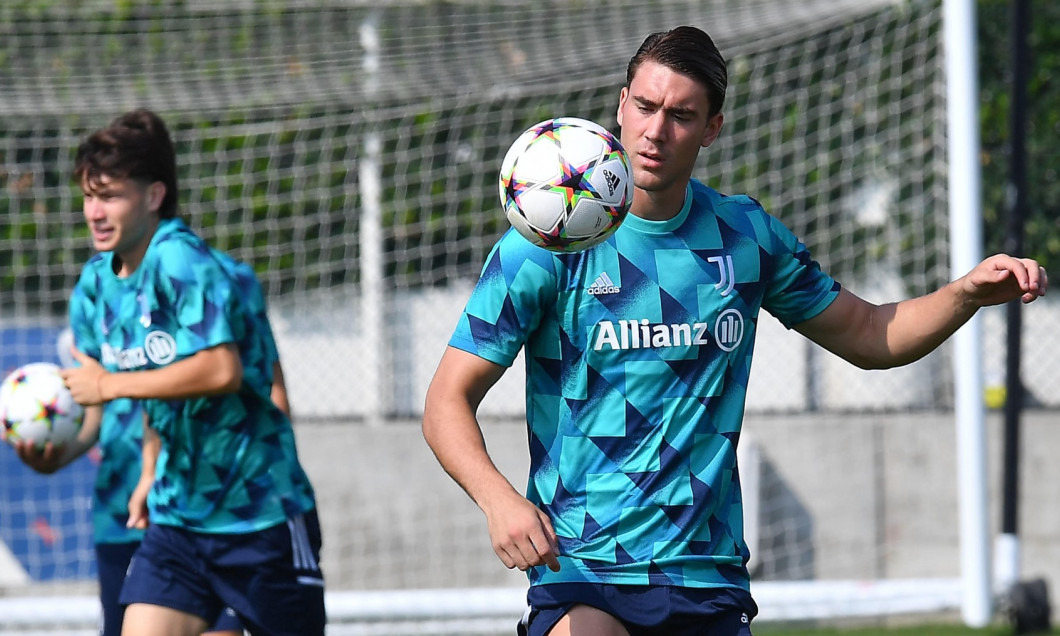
x=632 y=522
x=117 y=427
x=158 y=318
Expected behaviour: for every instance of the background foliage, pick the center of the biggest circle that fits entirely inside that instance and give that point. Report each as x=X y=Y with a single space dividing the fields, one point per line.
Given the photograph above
x=423 y=216
x=1042 y=227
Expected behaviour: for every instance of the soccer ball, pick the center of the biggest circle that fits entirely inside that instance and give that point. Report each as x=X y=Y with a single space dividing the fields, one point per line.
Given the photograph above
x=566 y=184
x=35 y=405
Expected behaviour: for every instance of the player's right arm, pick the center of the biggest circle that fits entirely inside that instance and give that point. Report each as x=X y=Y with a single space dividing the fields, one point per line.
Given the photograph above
x=521 y=534
x=211 y=371
x=51 y=458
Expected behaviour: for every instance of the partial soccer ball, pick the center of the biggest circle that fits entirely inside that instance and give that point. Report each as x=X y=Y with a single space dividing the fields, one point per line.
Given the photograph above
x=35 y=405
x=566 y=184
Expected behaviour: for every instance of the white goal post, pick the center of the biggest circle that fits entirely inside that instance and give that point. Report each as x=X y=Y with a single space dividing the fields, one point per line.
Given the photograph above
x=349 y=150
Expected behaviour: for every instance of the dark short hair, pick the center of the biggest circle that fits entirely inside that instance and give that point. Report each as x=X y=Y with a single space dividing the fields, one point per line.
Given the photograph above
x=135 y=145
x=688 y=51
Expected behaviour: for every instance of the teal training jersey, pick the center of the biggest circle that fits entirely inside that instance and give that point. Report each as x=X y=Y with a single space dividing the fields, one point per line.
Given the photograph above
x=120 y=446
x=228 y=463
x=637 y=357
x=121 y=430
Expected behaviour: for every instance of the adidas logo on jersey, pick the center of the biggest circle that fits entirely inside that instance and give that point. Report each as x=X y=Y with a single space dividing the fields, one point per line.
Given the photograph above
x=603 y=285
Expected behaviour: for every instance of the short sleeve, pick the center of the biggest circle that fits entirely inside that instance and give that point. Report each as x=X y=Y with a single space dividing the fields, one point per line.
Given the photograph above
x=518 y=283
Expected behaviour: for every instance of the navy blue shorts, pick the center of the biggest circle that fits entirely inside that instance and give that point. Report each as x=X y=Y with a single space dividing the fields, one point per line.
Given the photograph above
x=112 y=562
x=270 y=578
x=645 y=610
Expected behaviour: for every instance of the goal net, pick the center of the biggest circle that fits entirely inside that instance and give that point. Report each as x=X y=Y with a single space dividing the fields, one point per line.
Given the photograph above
x=349 y=150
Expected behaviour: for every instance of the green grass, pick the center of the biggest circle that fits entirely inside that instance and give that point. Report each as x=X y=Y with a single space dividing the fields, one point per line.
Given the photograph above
x=921 y=630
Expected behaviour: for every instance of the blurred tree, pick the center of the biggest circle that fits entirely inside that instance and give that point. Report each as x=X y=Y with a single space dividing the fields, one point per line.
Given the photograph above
x=1042 y=229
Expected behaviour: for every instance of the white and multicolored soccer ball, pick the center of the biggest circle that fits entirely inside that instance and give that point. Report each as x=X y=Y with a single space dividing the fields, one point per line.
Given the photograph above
x=566 y=184
x=36 y=405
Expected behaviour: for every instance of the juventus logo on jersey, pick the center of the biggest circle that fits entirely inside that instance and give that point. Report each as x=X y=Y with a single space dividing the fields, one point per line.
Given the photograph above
x=727 y=279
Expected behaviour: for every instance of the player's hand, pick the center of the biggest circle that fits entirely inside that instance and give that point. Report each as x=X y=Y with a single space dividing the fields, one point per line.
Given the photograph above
x=84 y=380
x=43 y=460
x=138 y=515
x=1002 y=278
x=522 y=534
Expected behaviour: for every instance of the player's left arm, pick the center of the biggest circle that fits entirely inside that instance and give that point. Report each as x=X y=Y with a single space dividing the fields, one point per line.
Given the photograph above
x=279 y=389
x=211 y=371
x=152 y=446
x=884 y=336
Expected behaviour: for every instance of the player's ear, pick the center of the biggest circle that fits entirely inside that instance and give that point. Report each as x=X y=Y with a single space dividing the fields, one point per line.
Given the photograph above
x=712 y=130
x=156 y=193
x=622 y=96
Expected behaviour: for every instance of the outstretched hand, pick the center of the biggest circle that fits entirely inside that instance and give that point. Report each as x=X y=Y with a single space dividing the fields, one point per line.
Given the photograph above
x=84 y=380
x=1002 y=278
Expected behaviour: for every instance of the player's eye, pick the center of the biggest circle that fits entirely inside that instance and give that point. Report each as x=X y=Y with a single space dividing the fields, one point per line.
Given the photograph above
x=643 y=106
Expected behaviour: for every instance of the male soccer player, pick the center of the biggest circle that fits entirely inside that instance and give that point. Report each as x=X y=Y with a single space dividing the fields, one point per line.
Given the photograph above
x=158 y=318
x=632 y=521
x=118 y=429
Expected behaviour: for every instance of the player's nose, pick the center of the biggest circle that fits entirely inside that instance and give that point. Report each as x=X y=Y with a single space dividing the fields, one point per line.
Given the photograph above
x=94 y=210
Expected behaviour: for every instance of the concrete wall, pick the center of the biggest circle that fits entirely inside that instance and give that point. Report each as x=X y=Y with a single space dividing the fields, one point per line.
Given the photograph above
x=841 y=497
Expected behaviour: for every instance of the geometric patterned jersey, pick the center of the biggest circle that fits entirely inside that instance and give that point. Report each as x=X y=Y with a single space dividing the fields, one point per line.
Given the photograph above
x=637 y=357
x=121 y=429
x=120 y=444
x=228 y=463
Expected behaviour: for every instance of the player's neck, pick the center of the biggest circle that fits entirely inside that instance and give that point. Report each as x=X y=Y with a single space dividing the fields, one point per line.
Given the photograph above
x=125 y=264
x=127 y=261
x=658 y=205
